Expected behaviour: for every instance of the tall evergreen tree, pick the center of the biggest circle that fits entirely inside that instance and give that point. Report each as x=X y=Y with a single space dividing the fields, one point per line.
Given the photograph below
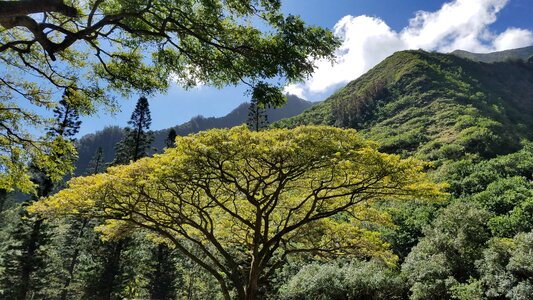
x=78 y=235
x=164 y=273
x=67 y=116
x=113 y=275
x=170 y=141
x=257 y=116
x=137 y=136
x=97 y=164
x=25 y=259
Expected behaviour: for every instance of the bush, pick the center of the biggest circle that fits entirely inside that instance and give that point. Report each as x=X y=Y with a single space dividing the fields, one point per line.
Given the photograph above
x=355 y=280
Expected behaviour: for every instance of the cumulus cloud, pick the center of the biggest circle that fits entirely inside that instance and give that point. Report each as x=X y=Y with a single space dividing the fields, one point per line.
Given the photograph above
x=513 y=38
x=459 y=24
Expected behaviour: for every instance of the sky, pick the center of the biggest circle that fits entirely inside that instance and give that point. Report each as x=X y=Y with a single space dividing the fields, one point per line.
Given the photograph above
x=370 y=30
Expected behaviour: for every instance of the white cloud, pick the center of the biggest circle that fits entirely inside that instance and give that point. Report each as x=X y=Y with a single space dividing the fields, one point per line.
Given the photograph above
x=459 y=24
x=296 y=90
x=513 y=38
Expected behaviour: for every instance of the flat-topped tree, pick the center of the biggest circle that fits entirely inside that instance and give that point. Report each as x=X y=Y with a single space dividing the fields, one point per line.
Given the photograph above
x=98 y=48
x=237 y=202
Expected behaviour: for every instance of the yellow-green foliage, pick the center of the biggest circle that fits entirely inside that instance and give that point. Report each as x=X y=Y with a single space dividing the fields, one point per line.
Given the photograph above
x=241 y=197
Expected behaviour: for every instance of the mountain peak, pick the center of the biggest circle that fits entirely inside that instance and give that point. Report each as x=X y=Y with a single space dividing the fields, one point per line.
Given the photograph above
x=434 y=105
x=500 y=56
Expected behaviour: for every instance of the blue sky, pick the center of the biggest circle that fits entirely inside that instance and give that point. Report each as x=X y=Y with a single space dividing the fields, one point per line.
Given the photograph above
x=371 y=30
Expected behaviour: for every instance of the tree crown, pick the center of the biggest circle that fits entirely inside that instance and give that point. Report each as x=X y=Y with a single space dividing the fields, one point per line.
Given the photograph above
x=238 y=201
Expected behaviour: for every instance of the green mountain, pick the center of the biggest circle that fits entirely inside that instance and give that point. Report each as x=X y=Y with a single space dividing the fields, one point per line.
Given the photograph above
x=434 y=106
x=108 y=137
x=236 y=117
x=500 y=56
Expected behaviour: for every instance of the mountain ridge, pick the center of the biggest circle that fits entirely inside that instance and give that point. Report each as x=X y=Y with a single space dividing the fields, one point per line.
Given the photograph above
x=523 y=53
x=109 y=136
x=434 y=106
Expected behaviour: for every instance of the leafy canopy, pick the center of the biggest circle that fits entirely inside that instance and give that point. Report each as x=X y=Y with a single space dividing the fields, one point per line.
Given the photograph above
x=237 y=201
x=97 y=49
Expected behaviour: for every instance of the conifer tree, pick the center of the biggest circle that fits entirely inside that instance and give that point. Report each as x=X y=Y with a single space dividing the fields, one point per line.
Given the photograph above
x=170 y=141
x=67 y=122
x=113 y=276
x=164 y=273
x=79 y=234
x=137 y=136
x=257 y=116
x=25 y=259
x=96 y=165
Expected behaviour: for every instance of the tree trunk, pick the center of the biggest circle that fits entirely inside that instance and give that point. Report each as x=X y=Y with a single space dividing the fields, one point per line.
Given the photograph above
x=3 y=197
x=9 y=9
x=27 y=260
x=111 y=270
x=252 y=287
x=73 y=263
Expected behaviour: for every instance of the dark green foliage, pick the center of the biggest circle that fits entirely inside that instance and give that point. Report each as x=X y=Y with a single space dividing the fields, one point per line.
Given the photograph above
x=470 y=176
x=137 y=137
x=72 y=248
x=23 y=261
x=163 y=275
x=506 y=268
x=257 y=116
x=511 y=201
x=445 y=256
x=410 y=219
x=170 y=141
x=355 y=280
x=66 y=115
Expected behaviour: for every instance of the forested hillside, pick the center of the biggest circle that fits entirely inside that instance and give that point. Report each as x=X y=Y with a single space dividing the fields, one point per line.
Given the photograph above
x=474 y=122
x=434 y=106
x=107 y=138
x=414 y=181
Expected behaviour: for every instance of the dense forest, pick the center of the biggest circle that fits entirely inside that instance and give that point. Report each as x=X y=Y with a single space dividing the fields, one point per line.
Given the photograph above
x=414 y=181
x=471 y=120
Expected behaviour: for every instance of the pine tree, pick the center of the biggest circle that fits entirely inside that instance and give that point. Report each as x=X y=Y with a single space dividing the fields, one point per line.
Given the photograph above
x=164 y=273
x=257 y=116
x=78 y=235
x=113 y=277
x=97 y=164
x=26 y=259
x=67 y=116
x=170 y=141
x=137 y=136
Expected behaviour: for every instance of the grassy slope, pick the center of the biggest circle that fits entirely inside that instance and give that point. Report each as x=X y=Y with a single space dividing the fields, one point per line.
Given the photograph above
x=434 y=106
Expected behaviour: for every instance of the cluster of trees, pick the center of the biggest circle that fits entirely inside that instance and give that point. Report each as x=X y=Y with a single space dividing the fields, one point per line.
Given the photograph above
x=96 y=50
x=313 y=212
x=239 y=203
x=65 y=259
x=91 y=51
x=308 y=213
